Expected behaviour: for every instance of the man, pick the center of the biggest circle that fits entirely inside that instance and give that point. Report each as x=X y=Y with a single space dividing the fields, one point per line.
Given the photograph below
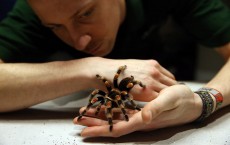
x=105 y=28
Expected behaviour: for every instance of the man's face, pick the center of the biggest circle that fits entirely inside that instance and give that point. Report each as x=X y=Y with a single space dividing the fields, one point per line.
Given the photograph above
x=87 y=25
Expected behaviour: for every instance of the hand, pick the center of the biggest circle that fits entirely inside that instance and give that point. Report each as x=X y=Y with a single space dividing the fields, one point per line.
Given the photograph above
x=175 y=105
x=149 y=72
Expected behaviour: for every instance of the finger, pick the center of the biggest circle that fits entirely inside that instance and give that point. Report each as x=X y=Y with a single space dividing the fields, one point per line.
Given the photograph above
x=166 y=77
x=117 y=113
x=166 y=72
x=158 y=86
x=89 y=121
x=93 y=109
x=167 y=81
x=154 y=108
x=149 y=92
x=120 y=128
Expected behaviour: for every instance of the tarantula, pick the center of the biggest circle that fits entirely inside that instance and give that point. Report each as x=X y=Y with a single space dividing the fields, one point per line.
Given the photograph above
x=115 y=97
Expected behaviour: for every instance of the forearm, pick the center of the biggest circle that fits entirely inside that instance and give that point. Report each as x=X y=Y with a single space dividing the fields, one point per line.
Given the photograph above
x=221 y=82
x=23 y=84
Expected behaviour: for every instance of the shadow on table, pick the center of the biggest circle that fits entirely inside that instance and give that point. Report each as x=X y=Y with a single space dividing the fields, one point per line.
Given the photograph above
x=162 y=134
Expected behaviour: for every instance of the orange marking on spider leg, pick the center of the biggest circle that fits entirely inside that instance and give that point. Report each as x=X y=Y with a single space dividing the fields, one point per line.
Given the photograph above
x=94 y=100
x=109 y=115
x=94 y=92
x=116 y=76
x=130 y=85
x=107 y=84
x=109 y=104
x=118 y=97
x=124 y=93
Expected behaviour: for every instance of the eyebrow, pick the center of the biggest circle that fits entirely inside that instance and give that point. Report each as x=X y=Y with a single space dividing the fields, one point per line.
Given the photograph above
x=76 y=13
x=56 y=24
x=84 y=7
x=87 y=5
x=51 y=24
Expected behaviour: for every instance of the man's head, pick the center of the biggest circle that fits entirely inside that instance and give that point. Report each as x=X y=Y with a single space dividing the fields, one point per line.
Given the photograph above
x=88 y=25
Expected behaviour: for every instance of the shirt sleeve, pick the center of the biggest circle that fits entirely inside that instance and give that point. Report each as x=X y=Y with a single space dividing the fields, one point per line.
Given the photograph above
x=207 y=20
x=23 y=38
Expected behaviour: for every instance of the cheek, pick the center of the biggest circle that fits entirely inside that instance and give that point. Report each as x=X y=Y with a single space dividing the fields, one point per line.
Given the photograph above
x=64 y=36
x=107 y=24
x=105 y=30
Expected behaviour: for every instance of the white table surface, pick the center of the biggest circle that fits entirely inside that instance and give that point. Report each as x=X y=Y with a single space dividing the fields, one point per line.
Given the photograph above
x=50 y=123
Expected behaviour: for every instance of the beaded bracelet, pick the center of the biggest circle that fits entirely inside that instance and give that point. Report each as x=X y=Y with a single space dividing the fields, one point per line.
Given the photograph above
x=208 y=105
x=218 y=96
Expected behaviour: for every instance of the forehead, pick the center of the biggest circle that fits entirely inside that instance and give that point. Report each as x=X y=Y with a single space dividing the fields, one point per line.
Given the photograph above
x=46 y=9
x=56 y=2
x=57 y=5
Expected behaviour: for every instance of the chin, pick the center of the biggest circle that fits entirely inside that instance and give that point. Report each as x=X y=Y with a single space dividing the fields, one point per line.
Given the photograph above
x=102 y=53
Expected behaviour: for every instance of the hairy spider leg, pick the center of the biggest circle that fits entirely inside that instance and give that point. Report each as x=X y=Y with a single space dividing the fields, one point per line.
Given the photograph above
x=98 y=108
x=138 y=82
x=121 y=105
x=93 y=100
x=106 y=82
x=109 y=113
x=130 y=99
x=126 y=96
x=116 y=76
x=125 y=93
x=134 y=82
x=95 y=92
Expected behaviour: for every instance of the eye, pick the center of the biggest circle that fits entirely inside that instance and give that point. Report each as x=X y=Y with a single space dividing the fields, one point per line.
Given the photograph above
x=54 y=27
x=87 y=13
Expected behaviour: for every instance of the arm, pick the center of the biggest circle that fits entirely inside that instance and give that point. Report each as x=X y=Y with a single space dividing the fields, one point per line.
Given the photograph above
x=26 y=84
x=220 y=82
x=175 y=105
x=222 y=78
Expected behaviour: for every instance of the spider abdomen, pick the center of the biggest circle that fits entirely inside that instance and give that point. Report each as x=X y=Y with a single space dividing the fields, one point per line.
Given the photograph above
x=113 y=93
x=126 y=84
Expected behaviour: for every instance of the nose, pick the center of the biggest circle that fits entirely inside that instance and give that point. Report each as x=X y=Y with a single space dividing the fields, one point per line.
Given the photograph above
x=79 y=39
x=82 y=42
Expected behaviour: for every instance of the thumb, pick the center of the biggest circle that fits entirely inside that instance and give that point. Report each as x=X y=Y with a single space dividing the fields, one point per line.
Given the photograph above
x=150 y=111
x=154 y=108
